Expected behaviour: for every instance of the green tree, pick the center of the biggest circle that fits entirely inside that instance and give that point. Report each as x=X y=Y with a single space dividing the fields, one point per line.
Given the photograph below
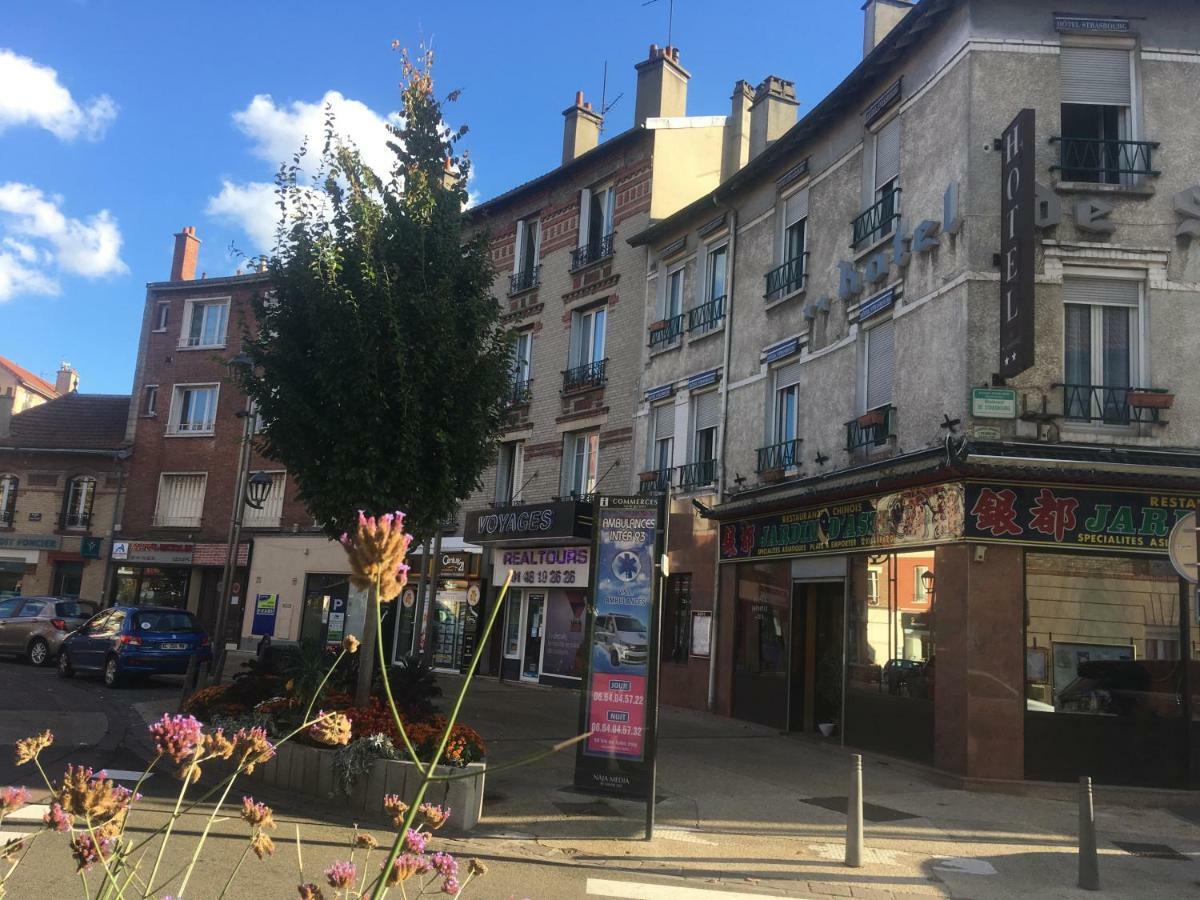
x=380 y=362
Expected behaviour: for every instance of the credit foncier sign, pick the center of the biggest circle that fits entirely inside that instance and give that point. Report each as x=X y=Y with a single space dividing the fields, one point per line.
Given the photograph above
x=1017 y=148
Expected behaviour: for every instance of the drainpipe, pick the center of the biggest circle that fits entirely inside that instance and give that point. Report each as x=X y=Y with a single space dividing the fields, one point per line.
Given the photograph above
x=730 y=269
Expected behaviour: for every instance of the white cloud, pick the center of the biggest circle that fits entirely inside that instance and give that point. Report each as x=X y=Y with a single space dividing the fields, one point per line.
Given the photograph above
x=250 y=206
x=38 y=237
x=30 y=94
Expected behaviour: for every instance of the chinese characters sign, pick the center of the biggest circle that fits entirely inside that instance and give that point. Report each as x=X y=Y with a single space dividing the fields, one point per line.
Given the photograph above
x=543 y=566
x=1081 y=518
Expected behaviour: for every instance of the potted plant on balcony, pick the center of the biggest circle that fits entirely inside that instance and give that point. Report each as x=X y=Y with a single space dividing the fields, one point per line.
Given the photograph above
x=872 y=418
x=1145 y=398
x=772 y=475
x=648 y=477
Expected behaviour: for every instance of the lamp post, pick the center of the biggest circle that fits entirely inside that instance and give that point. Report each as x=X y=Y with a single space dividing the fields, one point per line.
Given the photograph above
x=927 y=579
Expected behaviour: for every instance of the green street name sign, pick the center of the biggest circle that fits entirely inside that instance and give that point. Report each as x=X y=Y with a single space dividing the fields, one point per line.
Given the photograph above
x=993 y=403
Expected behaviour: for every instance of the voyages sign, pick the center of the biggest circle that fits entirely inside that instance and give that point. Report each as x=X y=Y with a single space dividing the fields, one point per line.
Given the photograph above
x=1017 y=147
x=529 y=521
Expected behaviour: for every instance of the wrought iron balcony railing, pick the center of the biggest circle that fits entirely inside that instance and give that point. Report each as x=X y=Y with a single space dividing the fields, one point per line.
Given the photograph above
x=876 y=222
x=6 y=518
x=656 y=481
x=594 y=250
x=784 y=455
x=524 y=280
x=589 y=375
x=1113 y=405
x=668 y=332
x=76 y=520
x=520 y=392
x=697 y=474
x=706 y=316
x=785 y=279
x=1103 y=161
x=872 y=429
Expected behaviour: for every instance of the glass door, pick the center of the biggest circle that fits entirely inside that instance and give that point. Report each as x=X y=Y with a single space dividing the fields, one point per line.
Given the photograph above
x=448 y=627
x=531 y=658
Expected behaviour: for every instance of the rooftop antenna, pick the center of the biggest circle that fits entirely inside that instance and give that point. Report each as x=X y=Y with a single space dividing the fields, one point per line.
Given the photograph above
x=604 y=106
x=670 y=16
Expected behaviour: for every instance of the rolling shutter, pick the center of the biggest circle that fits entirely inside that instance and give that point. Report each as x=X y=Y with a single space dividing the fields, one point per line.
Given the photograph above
x=664 y=421
x=1100 y=290
x=1095 y=75
x=881 y=347
x=785 y=376
x=887 y=153
x=707 y=410
x=795 y=207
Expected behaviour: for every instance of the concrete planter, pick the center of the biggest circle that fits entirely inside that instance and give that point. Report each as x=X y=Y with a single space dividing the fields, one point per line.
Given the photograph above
x=309 y=771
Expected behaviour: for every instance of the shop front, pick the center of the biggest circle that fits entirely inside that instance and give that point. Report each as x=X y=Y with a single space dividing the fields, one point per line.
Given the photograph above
x=453 y=621
x=152 y=573
x=20 y=555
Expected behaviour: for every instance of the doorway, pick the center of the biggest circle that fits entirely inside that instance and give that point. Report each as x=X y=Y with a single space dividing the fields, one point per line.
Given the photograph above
x=449 y=627
x=815 y=660
x=531 y=660
x=67 y=579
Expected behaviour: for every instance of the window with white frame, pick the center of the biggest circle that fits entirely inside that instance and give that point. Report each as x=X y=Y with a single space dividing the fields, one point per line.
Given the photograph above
x=8 y=499
x=587 y=336
x=1101 y=348
x=271 y=513
x=162 y=316
x=878 y=365
x=180 y=501
x=706 y=417
x=662 y=437
x=872 y=587
x=526 y=257
x=581 y=452
x=920 y=589
x=1097 y=116
x=205 y=322
x=150 y=400
x=882 y=187
x=596 y=209
x=509 y=464
x=77 y=502
x=793 y=241
x=715 y=272
x=194 y=409
x=785 y=405
x=523 y=359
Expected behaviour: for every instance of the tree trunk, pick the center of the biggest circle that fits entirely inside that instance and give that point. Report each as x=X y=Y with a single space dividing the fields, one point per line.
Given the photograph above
x=366 y=650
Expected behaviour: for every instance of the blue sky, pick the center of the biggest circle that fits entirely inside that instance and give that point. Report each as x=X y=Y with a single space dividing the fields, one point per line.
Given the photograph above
x=123 y=120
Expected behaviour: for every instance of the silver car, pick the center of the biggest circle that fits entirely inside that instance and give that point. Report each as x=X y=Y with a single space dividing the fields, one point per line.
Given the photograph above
x=34 y=627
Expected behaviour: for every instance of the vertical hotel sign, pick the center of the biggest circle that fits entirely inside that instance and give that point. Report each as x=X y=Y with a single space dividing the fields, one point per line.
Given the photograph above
x=617 y=706
x=1017 y=148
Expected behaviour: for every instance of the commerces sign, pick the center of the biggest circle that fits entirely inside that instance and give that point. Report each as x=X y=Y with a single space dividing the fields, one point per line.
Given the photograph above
x=1016 y=244
x=923 y=515
x=1112 y=519
x=529 y=522
x=153 y=552
x=620 y=691
x=543 y=566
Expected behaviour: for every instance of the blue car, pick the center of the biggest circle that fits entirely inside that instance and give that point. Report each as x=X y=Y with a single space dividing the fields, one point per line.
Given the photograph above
x=126 y=641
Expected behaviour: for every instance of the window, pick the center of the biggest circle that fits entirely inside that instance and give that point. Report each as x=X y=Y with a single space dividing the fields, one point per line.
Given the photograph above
x=1100 y=356
x=8 y=608
x=872 y=587
x=180 y=500
x=77 y=508
x=34 y=608
x=676 y=617
x=662 y=441
x=523 y=359
x=162 y=316
x=715 y=279
x=920 y=591
x=882 y=188
x=596 y=217
x=67 y=582
x=509 y=467
x=272 y=511
x=526 y=255
x=706 y=416
x=194 y=409
x=878 y=365
x=587 y=336
x=8 y=499
x=206 y=322
x=785 y=405
x=1097 y=98
x=673 y=301
x=580 y=463
x=150 y=400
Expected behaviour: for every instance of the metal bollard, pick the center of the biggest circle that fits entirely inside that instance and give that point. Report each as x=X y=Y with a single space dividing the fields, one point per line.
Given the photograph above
x=1089 y=866
x=854 y=815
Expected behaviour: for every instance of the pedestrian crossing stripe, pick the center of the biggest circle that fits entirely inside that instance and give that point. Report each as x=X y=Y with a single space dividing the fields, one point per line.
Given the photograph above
x=628 y=890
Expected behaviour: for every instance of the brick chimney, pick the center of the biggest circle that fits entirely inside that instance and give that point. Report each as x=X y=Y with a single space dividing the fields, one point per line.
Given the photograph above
x=661 y=86
x=6 y=413
x=67 y=380
x=737 y=132
x=187 y=249
x=581 y=130
x=772 y=113
x=879 y=18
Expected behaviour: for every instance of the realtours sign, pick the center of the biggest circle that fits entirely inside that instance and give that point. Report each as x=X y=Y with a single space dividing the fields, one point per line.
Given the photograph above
x=1017 y=148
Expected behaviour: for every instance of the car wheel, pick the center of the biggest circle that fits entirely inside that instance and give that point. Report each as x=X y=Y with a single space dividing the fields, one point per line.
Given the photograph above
x=112 y=673
x=64 y=665
x=614 y=657
x=39 y=652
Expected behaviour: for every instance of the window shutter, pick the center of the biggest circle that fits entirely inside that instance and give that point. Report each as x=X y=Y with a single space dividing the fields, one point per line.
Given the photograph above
x=181 y=500
x=1100 y=290
x=795 y=207
x=664 y=421
x=887 y=153
x=585 y=206
x=1095 y=75
x=785 y=376
x=272 y=510
x=881 y=345
x=707 y=410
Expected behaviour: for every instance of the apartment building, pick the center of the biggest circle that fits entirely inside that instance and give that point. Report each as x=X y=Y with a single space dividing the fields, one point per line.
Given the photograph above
x=922 y=364
x=572 y=290
x=28 y=389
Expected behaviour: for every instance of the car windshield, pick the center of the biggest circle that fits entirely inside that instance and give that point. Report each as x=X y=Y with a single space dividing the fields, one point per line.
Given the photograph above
x=75 y=609
x=164 y=620
x=628 y=623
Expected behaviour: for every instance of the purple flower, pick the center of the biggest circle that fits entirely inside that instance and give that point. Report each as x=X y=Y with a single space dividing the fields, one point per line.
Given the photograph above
x=87 y=852
x=58 y=819
x=451 y=886
x=176 y=737
x=445 y=864
x=414 y=841
x=340 y=874
x=12 y=799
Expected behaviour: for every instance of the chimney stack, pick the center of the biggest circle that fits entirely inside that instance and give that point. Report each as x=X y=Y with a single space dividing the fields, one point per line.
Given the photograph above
x=737 y=132
x=581 y=131
x=6 y=412
x=879 y=18
x=67 y=381
x=772 y=113
x=187 y=250
x=661 y=86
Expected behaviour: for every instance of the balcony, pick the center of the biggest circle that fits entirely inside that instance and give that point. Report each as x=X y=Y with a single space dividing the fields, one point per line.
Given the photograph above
x=666 y=332
x=6 y=518
x=785 y=279
x=520 y=392
x=76 y=520
x=1103 y=161
x=784 y=455
x=871 y=429
x=524 y=281
x=706 y=316
x=593 y=251
x=656 y=481
x=585 y=377
x=697 y=474
x=877 y=222
x=1105 y=405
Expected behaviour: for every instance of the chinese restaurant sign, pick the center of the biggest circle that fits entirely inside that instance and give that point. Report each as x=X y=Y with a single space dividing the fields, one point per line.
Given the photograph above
x=1076 y=517
x=921 y=515
x=622 y=644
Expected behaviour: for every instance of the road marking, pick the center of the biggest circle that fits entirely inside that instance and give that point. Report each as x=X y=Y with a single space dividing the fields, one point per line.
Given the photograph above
x=125 y=774
x=31 y=813
x=627 y=890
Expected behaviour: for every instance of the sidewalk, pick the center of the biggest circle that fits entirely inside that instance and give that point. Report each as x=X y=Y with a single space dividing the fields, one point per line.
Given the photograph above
x=748 y=809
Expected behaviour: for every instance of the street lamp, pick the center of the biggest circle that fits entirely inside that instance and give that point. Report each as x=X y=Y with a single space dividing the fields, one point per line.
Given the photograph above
x=258 y=488
x=927 y=580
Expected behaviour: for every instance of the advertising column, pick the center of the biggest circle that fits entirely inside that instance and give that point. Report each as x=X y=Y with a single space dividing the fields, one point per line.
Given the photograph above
x=620 y=691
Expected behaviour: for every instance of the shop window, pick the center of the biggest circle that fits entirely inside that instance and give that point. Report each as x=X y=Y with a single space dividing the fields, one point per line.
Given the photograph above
x=763 y=602
x=562 y=653
x=150 y=586
x=68 y=579
x=512 y=626
x=677 y=613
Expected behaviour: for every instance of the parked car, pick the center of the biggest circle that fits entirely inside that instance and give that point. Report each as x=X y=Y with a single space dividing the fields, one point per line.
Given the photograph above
x=127 y=641
x=624 y=638
x=34 y=627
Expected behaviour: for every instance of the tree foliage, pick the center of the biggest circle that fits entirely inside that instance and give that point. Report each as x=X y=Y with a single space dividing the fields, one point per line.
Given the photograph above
x=381 y=364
